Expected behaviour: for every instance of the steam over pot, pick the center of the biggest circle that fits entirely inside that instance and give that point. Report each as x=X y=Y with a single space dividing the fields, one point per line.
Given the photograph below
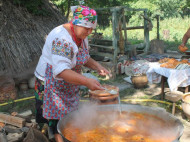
x=158 y=112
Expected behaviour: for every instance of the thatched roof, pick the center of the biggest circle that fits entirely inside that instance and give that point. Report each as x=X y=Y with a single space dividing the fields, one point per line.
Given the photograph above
x=22 y=34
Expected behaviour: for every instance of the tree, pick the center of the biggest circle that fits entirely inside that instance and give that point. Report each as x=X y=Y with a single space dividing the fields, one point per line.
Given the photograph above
x=164 y=8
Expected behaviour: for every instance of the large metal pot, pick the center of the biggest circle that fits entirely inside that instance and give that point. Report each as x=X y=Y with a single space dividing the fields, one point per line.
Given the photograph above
x=158 y=112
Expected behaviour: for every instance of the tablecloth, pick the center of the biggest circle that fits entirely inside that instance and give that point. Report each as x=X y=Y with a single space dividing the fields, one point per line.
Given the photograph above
x=175 y=78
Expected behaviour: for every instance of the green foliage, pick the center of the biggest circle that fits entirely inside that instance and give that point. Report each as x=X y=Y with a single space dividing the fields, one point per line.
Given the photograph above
x=145 y=4
x=33 y=6
x=106 y=3
x=164 y=8
x=64 y=5
x=19 y=106
x=171 y=8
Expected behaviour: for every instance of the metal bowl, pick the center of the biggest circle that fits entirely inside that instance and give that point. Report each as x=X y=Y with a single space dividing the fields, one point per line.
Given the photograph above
x=110 y=92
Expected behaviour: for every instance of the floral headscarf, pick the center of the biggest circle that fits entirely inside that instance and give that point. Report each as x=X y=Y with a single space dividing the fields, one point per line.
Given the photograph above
x=84 y=16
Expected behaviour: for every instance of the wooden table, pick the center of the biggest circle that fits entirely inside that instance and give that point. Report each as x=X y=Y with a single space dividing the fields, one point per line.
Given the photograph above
x=175 y=78
x=163 y=81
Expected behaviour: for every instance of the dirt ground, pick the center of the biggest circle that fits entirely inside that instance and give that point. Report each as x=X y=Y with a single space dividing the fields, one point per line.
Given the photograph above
x=127 y=91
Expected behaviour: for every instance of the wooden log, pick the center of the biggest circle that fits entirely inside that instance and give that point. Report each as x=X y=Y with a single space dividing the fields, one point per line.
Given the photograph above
x=15 y=137
x=103 y=54
x=104 y=42
x=102 y=46
x=3 y=137
x=26 y=113
x=16 y=121
x=133 y=28
x=33 y=124
x=130 y=47
x=12 y=129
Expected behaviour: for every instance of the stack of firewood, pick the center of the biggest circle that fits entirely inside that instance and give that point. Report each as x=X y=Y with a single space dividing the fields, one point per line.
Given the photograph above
x=20 y=127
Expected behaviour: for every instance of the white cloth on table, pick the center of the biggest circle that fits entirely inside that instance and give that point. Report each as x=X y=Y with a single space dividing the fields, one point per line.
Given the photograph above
x=176 y=78
x=137 y=67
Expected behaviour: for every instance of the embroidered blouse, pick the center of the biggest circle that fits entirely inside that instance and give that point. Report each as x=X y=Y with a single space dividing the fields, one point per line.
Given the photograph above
x=59 y=51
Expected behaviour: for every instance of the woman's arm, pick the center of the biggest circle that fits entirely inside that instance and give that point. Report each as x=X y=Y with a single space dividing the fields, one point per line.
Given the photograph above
x=78 y=79
x=185 y=37
x=98 y=67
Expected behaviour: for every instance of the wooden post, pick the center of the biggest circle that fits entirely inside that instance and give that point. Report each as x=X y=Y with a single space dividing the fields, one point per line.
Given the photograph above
x=115 y=38
x=158 y=20
x=146 y=33
x=162 y=87
x=186 y=89
x=173 y=108
x=124 y=27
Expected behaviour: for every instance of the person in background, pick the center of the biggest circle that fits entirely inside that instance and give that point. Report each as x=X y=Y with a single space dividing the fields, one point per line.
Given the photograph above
x=59 y=68
x=182 y=47
x=185 y=38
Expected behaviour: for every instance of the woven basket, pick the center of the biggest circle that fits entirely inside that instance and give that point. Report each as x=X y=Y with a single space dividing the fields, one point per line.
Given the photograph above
x=140 y=81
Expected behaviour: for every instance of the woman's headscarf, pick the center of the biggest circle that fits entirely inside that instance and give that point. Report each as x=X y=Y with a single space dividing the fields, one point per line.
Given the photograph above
x=84 y=16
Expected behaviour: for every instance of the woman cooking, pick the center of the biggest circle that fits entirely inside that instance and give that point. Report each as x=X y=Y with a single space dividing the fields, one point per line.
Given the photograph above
x=59 y=67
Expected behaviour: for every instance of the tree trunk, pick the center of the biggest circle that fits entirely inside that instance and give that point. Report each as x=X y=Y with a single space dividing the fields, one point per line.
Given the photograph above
x=68 y=8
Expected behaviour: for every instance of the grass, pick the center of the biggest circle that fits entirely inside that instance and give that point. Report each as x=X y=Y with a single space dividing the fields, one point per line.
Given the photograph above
x=22 y=105
x=19 y=106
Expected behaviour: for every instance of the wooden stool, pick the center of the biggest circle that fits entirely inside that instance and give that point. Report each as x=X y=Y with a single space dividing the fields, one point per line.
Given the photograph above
x=174 y=96
x=163 y=80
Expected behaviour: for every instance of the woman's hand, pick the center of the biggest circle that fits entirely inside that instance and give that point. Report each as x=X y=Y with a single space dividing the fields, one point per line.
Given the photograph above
x=93 y=84
x=182 y=48
x=78 y=79
x=98 y=67
x=103 y=71
x=182 y=45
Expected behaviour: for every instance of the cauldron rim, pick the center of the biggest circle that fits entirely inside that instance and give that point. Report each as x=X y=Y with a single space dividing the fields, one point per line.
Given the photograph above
x=148 y=109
